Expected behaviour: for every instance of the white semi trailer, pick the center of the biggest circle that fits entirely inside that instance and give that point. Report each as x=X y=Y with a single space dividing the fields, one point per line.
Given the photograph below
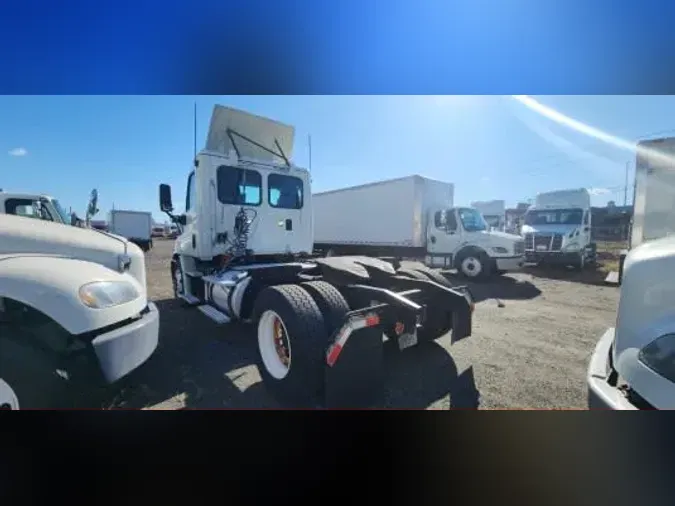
x=412 y=217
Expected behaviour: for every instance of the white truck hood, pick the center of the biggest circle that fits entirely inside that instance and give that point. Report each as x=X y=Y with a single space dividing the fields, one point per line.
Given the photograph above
x=29 y=235
x=494 y=238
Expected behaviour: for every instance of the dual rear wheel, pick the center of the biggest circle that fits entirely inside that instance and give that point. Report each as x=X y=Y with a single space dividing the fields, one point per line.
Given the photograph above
x=294 y=326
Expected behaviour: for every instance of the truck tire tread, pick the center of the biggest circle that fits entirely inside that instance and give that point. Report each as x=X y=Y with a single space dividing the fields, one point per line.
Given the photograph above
x=303 y=384
x=331 y=303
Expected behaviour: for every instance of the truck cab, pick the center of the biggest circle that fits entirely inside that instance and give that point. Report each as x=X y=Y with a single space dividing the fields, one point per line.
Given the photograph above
x=557 y=229
x=42 y=207
x=494 y=213
x=74 y=311
x=460 y=237
x=632 y=365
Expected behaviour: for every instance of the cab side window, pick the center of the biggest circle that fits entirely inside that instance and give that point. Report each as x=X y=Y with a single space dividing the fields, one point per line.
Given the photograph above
x=439 y=220
x=191 y=194
x=452 y=221
x=25 y=208
x=587 y=217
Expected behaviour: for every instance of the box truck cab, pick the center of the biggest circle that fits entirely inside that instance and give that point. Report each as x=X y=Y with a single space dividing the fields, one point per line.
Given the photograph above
x=460 y=237
x=494 y=213
x=557 y=229
x=28 y=205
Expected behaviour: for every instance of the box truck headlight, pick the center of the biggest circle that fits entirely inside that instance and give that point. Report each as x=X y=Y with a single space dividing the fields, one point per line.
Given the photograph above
x=104 y=294
x=659 y=356
x=500 y=250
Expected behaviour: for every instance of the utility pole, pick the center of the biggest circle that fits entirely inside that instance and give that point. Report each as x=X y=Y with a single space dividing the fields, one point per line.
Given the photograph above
x=625 y=188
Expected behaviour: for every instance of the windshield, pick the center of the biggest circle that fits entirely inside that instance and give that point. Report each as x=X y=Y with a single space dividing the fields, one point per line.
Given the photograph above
x=63 y=215
x=493 y=221
x=472 y=220
x=554 y=217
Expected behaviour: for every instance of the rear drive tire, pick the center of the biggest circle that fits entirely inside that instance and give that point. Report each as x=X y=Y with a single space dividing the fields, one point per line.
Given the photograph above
x=330 y=301
x=292 y=342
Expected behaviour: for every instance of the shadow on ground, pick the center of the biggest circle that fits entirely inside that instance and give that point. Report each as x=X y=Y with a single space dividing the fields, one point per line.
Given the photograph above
x=498 y=287
x=591 y=275
x=199 y=365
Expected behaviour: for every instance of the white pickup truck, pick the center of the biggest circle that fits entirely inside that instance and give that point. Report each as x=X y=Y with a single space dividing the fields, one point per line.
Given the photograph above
x=74 y=312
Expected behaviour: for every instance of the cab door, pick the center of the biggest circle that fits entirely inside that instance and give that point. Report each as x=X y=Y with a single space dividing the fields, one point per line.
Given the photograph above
x=443 y=238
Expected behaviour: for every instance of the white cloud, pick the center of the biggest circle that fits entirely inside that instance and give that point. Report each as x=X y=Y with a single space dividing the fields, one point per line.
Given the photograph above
x=599 y=191
x=18 y=152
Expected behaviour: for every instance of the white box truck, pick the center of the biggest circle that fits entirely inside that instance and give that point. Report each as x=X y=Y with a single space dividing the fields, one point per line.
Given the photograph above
x=557 y=229
x=494 y=213
x=74 y=312
x=412 y=217
x=136 y=226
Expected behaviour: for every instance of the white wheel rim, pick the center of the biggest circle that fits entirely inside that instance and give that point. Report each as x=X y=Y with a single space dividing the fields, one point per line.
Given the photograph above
x=471 y=267
x=178 y=278
x=271 y=352
x=8 y=399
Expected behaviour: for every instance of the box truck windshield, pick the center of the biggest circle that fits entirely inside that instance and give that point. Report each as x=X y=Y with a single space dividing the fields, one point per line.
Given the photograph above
x=554 y=217
x=472 y=220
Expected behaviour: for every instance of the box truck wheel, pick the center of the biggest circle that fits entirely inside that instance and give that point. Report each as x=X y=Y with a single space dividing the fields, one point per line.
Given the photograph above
x=332 y=304
x=292 y=340
x=473 y=263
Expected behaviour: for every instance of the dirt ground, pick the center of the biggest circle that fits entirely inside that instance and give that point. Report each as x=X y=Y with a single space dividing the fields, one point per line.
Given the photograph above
x=530 y=353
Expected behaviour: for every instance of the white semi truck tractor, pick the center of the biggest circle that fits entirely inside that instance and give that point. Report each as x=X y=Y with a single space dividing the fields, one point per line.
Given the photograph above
x=74 y=313
x=244 y=253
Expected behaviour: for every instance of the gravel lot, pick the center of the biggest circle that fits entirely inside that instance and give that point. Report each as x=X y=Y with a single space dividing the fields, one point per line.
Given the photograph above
x=531 y=353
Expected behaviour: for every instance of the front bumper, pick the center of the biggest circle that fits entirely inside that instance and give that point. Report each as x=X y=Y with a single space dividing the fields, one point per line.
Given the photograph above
x=122 y=350
x=552 y=257
x=601 y=392
x=510 y=263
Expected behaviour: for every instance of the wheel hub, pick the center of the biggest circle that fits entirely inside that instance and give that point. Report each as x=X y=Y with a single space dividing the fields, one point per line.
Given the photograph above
x=281 y=342
x=471 y=266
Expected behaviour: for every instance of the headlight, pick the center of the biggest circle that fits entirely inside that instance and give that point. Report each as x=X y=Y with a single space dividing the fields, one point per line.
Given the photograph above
x=659 y=356
x=500 y=250
x=103 y=294
x=573 y=247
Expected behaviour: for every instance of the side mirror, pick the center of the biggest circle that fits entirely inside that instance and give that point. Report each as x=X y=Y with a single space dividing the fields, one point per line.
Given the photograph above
x=93 y=201
x=165 y=202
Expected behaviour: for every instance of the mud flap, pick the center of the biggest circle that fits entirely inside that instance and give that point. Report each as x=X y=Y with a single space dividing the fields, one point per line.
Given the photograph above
x=462 y=318
x=356 y=379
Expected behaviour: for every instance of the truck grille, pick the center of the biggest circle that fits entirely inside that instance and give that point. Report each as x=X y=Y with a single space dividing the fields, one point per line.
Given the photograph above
x=543 y=242
x=519 y=248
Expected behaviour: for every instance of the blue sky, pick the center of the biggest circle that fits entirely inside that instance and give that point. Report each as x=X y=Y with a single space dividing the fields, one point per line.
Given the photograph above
x=491 y=147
